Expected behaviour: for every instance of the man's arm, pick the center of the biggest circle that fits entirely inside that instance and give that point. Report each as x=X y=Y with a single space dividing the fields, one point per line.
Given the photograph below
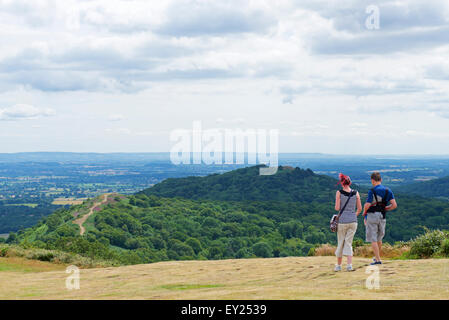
x=393 y=205
x=366 y=207
x=368 y=202
x=359 y=205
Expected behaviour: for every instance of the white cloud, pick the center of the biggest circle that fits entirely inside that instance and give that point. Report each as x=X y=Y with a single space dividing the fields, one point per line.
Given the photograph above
x=116 y=117
x=129 y=132
x=24 y=112
x=170 y=62
x=358 y=125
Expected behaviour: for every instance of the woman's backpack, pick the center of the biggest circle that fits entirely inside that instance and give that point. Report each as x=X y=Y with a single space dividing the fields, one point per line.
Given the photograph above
x=335 y=217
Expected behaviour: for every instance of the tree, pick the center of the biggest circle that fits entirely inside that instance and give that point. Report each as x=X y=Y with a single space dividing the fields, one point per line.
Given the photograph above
x=195 y=244
x=263 y=250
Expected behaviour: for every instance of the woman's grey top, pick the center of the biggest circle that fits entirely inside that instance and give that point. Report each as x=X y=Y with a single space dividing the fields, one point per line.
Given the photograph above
x=349 y=215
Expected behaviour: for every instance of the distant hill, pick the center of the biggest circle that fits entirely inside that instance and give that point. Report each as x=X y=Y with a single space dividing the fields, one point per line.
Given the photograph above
x=288 y=184
x=437 y=188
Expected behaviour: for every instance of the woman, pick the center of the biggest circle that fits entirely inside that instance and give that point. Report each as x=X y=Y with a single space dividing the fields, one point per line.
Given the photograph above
x=347 y=223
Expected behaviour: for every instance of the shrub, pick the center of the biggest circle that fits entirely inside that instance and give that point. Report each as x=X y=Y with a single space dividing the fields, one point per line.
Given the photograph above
x=428 y=244
x=53 y=256
x=311 y=252
x=357 y=243
x=444 y=250
x=42 y=255
x=3 y=251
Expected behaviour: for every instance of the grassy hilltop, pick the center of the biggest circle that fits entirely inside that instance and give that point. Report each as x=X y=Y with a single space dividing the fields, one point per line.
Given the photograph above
x=280 y=278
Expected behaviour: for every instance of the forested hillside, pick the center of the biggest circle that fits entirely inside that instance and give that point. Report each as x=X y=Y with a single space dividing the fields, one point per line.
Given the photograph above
x=15 y=215
x=433 y=188
x=288 y=184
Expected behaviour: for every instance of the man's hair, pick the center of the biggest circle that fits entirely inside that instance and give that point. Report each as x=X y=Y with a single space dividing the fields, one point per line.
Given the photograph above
x=376 y=176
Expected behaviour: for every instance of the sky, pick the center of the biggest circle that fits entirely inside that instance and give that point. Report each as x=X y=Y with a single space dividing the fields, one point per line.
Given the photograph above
x=120 y=76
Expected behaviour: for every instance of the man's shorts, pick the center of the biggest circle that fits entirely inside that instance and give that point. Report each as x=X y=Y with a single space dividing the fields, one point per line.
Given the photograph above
x=375 y=227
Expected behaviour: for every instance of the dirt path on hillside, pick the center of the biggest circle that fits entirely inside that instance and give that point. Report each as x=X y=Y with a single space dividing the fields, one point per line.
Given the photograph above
x=83 y=219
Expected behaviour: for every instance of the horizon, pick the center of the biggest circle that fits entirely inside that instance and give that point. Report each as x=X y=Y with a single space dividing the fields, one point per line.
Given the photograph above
x=280 y=153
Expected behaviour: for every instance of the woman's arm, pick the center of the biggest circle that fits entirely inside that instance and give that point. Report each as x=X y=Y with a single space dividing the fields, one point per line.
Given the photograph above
x=337 y=201
x=359 y=204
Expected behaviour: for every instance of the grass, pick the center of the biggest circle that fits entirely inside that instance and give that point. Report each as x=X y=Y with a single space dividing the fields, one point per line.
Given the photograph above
x=274 y=278
x=189 y=286
x=53 y=257
x=23 y=265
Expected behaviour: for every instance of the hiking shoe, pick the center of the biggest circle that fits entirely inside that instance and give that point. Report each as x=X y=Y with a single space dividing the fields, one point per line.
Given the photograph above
x=375 y=262
x=349 y=267
x=337 y=268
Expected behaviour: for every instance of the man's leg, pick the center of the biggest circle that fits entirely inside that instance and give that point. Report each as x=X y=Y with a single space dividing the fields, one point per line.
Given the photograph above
x=379 y=244
x=380 y=235
x=376 y=250
x=372 y=235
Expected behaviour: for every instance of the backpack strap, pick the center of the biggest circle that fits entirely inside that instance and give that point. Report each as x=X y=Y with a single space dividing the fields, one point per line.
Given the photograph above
x=383 y=204
x=387 y=192
x=375 y=196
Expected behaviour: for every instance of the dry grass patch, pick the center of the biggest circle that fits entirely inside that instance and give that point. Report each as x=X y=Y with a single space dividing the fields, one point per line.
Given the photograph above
x=365 y=251
x=274 y=278
x=325 y=250
x=68 y=201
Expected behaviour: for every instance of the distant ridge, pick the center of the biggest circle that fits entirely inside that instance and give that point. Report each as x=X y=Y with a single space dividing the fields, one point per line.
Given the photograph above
x=432 y=188
x=288 y=184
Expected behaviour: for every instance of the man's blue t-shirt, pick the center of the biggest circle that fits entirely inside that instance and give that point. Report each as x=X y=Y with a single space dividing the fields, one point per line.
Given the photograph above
x=380 y=192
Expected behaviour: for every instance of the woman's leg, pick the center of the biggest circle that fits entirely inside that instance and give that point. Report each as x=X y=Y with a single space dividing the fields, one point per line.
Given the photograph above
x=349 y=236
x=341 y=241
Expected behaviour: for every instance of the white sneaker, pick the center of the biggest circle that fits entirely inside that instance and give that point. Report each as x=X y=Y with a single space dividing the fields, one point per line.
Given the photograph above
x=337 y=268
x=349 y=267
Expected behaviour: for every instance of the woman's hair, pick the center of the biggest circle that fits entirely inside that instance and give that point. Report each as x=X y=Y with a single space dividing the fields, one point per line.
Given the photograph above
x=344 y=180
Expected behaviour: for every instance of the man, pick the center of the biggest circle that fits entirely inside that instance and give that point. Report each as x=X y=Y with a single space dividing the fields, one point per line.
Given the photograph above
x=380 y=200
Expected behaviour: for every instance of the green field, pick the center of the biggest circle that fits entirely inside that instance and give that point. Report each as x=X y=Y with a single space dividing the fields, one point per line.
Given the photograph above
x=31 y=205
